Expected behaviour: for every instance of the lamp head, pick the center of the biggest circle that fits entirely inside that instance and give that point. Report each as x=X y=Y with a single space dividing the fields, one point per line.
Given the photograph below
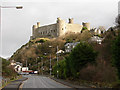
x=19 y=7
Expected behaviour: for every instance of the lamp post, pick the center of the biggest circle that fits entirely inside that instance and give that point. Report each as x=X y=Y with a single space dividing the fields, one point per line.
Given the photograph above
x=16 y=7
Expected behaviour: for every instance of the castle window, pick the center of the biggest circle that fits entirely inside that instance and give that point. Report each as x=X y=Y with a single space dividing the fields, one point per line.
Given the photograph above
x=62 y=29
x=54 y=30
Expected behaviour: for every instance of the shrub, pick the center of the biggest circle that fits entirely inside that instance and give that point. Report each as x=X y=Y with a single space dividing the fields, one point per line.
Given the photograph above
x=61 y=68
x=79 y=58
x=116 y=54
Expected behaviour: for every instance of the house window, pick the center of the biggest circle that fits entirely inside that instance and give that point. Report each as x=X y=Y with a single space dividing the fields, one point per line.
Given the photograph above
x=68 y=46
x=73 y=46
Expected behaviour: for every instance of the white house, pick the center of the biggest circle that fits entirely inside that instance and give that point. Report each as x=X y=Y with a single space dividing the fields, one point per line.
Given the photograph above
x=60 y=51
x=96 y=39
x=18 y=67
x=70 y=46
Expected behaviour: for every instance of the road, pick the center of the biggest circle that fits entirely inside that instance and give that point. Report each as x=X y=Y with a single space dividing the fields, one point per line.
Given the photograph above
x=35 y=81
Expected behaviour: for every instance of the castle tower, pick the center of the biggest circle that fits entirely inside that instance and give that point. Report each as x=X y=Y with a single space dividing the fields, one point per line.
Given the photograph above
x=70 y=20
x=61 y=27
x=38 y=24
x=118 y=7
x=87 y=25
x=33 y=29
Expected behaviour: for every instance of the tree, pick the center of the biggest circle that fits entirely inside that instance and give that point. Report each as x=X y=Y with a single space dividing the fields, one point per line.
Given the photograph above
x=80 y=56
x=8 y=71
x=116 y=54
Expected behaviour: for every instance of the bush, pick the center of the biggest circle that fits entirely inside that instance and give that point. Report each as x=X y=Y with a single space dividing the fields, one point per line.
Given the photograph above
x=79 y=58
x=7 y=71
x=84 y=28
x=61 y=68
x=116 y=54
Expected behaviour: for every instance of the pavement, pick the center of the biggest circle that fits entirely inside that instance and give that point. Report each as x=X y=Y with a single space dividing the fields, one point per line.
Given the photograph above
x=68 y=84
x=35 y=81
x=14 y=85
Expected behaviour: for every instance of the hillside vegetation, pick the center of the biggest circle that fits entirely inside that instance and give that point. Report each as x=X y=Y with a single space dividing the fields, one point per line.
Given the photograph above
x=37 y=53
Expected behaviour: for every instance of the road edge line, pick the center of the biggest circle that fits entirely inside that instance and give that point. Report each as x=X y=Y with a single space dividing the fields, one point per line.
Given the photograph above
x=21 y=84
x=62 y=83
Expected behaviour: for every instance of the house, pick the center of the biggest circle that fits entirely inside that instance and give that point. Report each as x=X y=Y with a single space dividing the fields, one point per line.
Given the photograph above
x=70 y=46
x=12 y=63
x=60 y=51
x=18 y=67
x=96 y=39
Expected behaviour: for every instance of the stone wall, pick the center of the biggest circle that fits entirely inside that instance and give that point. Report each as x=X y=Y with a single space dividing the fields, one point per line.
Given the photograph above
x=73 y=28
x=58 y=29
x=46 y=31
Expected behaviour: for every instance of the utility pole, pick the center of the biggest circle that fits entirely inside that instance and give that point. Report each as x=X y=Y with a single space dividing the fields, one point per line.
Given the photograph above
x=50 y=60
x=42 y=65
x=50 y=65
x=57 y=62
x=26 y=65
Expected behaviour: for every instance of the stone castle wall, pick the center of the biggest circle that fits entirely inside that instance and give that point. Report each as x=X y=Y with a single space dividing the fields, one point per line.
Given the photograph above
x=74 y=28
x=58 y=29
x=46 y=31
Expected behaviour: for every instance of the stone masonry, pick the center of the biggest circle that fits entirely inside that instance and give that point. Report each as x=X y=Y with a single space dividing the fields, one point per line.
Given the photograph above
x=58 y=29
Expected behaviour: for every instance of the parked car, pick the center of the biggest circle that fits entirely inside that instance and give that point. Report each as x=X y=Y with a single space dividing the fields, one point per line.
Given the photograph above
x=24 y=73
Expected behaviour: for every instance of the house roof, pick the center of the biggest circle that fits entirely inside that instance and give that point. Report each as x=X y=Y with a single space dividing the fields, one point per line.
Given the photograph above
x=71 y=44
x=18 y=63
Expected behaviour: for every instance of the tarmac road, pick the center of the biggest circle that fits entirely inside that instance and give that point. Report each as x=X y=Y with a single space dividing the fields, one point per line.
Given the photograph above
x=35 y=81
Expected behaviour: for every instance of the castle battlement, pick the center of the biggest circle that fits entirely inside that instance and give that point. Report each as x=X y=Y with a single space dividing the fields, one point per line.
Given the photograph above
x=58 y=29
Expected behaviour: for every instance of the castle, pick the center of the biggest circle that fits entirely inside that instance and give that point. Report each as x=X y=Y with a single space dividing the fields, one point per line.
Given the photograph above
x=58 y=29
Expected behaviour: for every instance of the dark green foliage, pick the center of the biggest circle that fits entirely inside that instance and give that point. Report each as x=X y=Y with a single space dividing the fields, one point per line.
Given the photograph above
x=82 y=55
x=7 y=71
x=40 y=41
x=84 y=28
x=79 y=58
x=116 y=54
x=61 y=68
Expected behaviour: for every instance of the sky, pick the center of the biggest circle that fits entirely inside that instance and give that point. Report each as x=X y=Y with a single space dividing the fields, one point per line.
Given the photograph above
x=16 y=25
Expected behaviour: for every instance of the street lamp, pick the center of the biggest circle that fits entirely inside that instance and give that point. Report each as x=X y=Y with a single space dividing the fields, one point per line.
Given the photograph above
x=16 y=7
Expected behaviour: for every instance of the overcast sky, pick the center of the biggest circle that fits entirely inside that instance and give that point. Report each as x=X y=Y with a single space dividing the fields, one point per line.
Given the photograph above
x=17 y=24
